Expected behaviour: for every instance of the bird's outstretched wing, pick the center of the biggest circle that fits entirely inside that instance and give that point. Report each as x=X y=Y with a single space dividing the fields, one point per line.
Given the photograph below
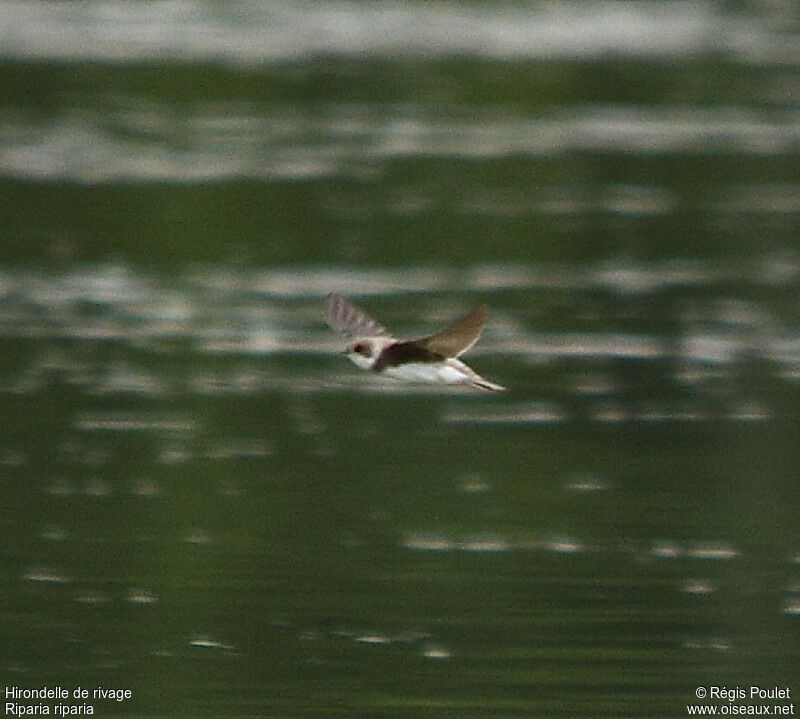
x=457 y=338
x=345 y=317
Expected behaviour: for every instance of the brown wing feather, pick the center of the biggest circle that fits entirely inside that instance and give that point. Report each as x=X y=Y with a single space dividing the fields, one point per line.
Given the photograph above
x=402 y=352
x=345 y=317
x=458 y=337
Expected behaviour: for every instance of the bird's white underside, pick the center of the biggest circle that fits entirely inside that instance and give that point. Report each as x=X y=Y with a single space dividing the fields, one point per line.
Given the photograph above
x=450 y=371
x=447 y=372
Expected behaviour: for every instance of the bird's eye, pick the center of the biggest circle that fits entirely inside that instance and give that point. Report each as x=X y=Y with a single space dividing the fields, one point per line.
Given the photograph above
x=359 y=349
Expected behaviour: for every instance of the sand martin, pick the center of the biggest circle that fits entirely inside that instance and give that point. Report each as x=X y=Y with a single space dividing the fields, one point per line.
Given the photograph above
x=428 y=359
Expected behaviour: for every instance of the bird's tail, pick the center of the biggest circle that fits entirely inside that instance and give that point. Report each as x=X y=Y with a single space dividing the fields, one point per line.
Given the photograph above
x=487 y=385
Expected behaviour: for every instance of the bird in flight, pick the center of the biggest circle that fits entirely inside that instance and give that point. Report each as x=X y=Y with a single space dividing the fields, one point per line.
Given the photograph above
x=427 y=359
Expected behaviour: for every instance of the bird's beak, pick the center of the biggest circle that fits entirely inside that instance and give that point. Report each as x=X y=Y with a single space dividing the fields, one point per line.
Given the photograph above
x=344 y=352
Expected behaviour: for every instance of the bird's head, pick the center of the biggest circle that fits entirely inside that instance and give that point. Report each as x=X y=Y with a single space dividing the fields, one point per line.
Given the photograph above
x=364 y=353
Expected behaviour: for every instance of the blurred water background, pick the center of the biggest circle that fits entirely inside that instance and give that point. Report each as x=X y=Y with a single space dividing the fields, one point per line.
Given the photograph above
x=207 y=505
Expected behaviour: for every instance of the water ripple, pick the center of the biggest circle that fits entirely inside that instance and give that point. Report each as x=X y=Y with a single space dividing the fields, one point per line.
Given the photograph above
x=126 y=140
x=277 y=312
x=256 y=33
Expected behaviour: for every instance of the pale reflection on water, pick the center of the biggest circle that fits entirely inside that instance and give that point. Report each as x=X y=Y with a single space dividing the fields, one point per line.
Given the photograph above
x=277 y=311
x=259 y=143
x=264 y=33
